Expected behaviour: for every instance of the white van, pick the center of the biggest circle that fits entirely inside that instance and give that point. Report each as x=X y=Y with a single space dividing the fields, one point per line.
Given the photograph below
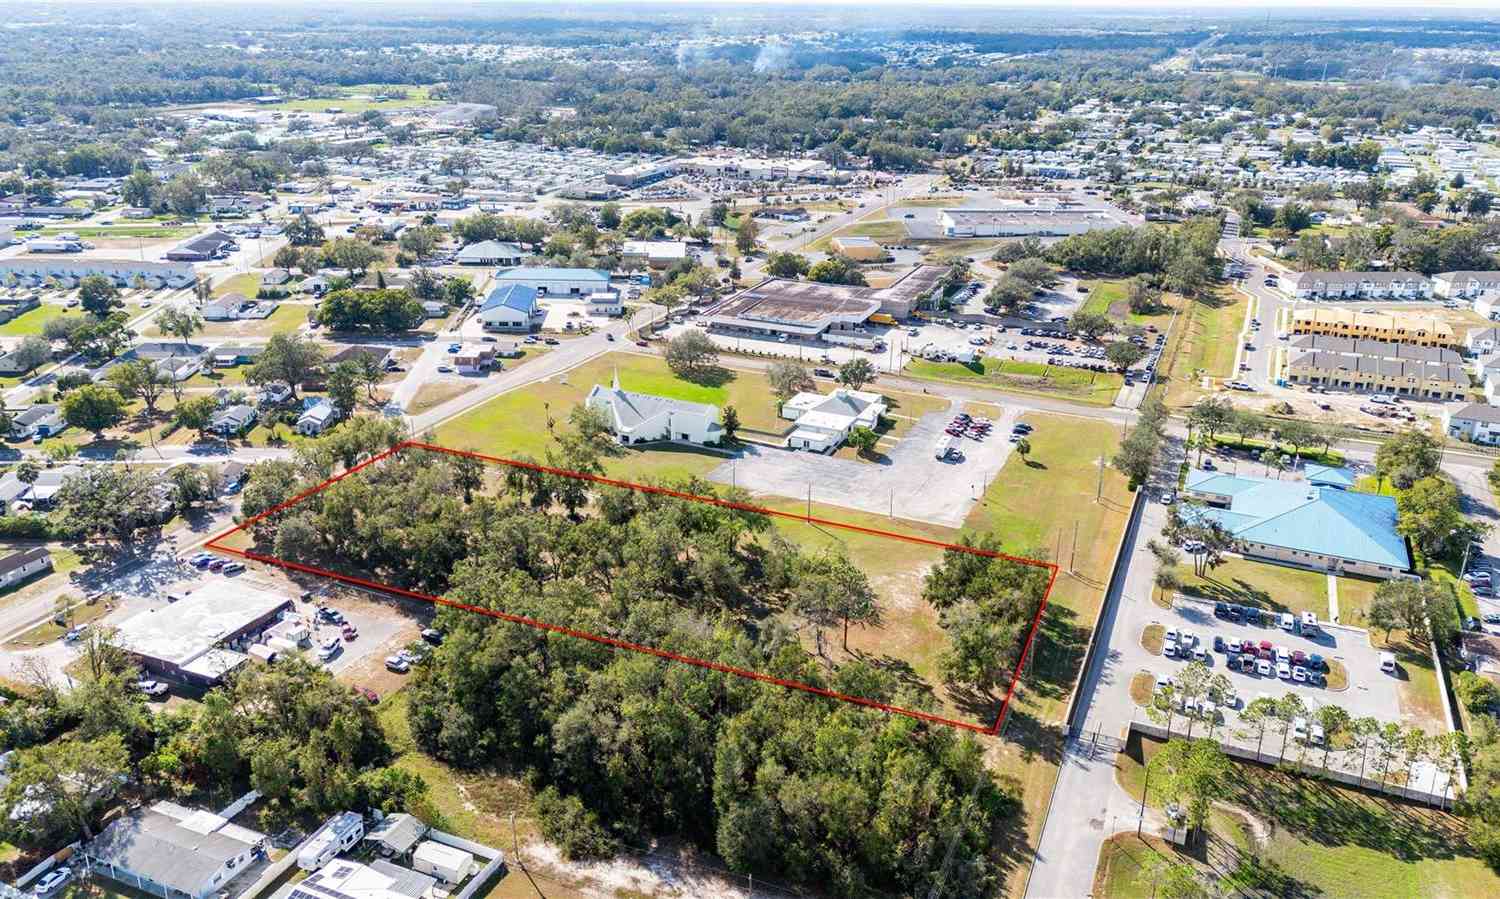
x=1388 y=662
x=1382 y=399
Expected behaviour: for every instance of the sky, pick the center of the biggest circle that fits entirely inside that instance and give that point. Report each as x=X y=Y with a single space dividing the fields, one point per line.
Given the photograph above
x=1311 y=7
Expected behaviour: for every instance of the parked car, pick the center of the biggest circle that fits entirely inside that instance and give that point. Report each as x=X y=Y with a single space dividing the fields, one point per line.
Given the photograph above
x=368 y=695
x=350 y=632
x=433 y=636
x=397 y=664
x=232 y=568
x=52 y=880
x=152 y=688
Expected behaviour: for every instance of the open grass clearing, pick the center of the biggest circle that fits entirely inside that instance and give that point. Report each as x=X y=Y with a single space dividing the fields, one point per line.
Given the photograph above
x=246 y=284
x=358 y=98
x=49 y=630
x=1203 y=344
x=1313 y=838
x=1074 y=384
x=1262 y=585
x=32 y=321
x=1418 y=688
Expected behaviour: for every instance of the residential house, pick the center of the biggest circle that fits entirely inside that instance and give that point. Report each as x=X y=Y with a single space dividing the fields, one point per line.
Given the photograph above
x=317 y=417
x=1476 y=423
x=275 y=277
x=174 y=852
x=233 y=420
x=474 y=358
x=39 y=420
x=232 y=477
x=1302 y=524
x=511 y=307
x=381 y=356
x=1433 y=372
x=17 y=494
x=342 y=878
x=825 y=420
x=1480 y=341
x=1465 y=285
x=491 y=252
x=1420 y=329
x=229 y=355
x=643 y=417
x=20 y=566
x=1359 y=285
x=397 y=835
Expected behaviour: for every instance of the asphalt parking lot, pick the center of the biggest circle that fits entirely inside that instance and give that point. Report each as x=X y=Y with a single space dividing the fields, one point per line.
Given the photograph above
x=1370 y=692
x=908 y=482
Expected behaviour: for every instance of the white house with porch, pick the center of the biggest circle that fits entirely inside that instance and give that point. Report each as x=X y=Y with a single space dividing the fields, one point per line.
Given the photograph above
x=825 y=420
x=642 y=417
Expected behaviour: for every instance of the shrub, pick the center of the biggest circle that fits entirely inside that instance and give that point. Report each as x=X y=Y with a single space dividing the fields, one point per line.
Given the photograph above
x=575 y=829
x=1478 y=694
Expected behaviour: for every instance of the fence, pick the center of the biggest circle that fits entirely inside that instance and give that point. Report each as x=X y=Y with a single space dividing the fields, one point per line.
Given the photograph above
x=1337 y=775
x=1106 y=607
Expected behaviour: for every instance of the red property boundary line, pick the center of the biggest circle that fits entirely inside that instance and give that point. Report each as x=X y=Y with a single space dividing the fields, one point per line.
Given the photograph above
x=991 y=730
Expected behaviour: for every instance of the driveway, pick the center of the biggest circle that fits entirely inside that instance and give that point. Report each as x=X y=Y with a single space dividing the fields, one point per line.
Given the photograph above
x=907 y=483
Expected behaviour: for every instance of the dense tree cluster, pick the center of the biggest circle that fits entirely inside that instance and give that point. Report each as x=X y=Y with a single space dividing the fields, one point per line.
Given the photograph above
x=1183 y=260
x=780 y=783
x=371 y=310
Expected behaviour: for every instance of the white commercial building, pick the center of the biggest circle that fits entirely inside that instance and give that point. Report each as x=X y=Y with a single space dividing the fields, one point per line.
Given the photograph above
x=825 y=420
x=1018 y=221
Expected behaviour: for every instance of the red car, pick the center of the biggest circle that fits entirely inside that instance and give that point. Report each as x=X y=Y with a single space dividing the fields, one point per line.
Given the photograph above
x=1265 y=646
x=350 y=632
x=368 y=695
x=1299 y=657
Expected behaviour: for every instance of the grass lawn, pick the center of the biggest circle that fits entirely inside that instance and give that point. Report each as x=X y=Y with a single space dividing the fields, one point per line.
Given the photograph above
x=1313 y=838
x=1355 y=595
x=1203 y=344
x=32 y=322
x=1417 y=684
x=47 y=631
x=1077 y=385
x=1260 y=584
x=416 y=95
x=150 y=232
x=1037 y=506
x=508 y=424
x=246 y=284
x=1103 y=295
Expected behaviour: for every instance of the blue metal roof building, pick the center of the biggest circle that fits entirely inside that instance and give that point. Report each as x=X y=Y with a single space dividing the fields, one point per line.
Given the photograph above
x=556 y=281
x=1311 y=525
x=510 y=307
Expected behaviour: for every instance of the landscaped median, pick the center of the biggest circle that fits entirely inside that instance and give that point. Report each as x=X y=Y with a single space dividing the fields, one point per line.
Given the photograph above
x=1073 y=384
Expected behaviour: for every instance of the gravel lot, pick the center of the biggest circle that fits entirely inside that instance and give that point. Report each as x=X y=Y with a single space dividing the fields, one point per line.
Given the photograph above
x=908 y=482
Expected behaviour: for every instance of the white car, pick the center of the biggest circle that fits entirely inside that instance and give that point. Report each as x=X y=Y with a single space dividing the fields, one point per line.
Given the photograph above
x=1299 y=728
x=153 y=688
x=52 y=880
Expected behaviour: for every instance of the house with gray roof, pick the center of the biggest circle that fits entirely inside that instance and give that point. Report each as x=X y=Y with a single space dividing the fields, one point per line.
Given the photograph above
x=1476 y=423
x=643 y=417
x=19 y=566
x=173 y=852
x=1465 y=285
x=1299 y=523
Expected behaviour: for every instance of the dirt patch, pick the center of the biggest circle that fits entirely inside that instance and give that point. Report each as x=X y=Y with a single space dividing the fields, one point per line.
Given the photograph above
x=1153 y=637
x=658 y=873
x=1142 y=685
x=1338 y=675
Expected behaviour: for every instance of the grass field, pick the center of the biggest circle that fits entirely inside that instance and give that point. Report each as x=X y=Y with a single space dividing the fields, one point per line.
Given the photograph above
x=1259 y=584
x=1103 y=295
x=1077 y=385
x=246 y=284
x=416 y=96
x=1203 y=345
x=105 y=232
x=32 y=322
x=1310 y=838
